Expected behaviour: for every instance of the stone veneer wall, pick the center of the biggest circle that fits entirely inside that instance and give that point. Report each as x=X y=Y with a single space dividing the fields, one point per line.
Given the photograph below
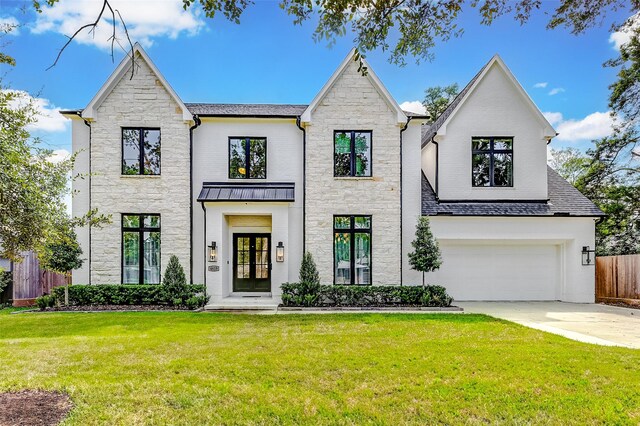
x=353 y=103
x=141 y=101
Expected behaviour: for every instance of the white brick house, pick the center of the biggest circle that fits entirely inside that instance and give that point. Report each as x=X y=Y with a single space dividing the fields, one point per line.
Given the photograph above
x=239 y=192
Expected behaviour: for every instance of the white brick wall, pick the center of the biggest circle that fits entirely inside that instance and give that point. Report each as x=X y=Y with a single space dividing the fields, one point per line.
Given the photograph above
x=353 y=103
x=141 y=101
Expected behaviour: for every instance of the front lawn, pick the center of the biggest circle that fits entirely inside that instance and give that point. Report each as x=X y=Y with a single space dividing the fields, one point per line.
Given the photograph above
x=190 y=368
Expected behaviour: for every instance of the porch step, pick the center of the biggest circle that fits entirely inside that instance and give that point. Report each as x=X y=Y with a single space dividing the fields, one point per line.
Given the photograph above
x=243 y=304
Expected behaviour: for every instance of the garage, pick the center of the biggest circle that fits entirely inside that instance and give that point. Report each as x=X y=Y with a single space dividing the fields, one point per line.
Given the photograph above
x=500 y=270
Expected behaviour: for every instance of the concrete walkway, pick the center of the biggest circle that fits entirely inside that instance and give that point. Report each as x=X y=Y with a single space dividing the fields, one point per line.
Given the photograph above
x=589 y=323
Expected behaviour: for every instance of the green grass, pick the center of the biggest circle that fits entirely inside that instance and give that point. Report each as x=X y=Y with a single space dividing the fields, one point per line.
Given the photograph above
x=189 y=368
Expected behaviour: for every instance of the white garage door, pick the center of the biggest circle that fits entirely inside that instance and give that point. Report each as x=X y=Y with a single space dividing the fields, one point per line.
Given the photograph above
x=500 y=271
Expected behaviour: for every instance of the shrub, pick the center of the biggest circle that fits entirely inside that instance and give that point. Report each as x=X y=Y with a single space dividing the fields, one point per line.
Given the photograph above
x=174 y=283
x=125 y=294
x=308 y=271
x=301 y=294
x=45 y=301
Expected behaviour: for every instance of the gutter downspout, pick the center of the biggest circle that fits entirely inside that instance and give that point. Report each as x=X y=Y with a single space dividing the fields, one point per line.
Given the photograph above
x=304 y=186
x=86 y=123
x=433 y=141
x=197 y=122
x=204 y=210
x=406 y=125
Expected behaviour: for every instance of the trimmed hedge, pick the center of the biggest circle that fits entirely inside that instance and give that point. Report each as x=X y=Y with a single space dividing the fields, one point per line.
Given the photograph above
x=304 y=294
x=126 y=294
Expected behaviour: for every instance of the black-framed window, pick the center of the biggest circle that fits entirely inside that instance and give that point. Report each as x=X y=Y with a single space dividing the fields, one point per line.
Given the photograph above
x=492 y=161
x=352 y=249
x=247 y=158
x=140 y=249
x=352 y=153
x=140 y=151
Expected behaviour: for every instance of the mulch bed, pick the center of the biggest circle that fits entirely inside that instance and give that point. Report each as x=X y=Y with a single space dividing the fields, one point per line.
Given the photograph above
x=93 y=308
x=33 y=407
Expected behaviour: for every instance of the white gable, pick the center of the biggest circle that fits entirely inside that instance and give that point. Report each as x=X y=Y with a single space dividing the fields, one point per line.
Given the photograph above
x=90 y=112
x=548 y=131
x=375 y=81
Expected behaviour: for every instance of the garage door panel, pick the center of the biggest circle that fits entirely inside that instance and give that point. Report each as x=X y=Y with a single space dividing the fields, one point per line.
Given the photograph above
x=500 y=272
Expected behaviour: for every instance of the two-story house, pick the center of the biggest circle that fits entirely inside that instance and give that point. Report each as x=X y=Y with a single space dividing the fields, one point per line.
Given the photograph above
x=238 y=192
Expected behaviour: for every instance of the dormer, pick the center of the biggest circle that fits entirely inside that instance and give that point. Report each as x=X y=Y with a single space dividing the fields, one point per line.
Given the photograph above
x=490 y=143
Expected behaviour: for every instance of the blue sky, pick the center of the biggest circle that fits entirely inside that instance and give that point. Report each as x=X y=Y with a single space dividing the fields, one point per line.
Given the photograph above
x=266 y=59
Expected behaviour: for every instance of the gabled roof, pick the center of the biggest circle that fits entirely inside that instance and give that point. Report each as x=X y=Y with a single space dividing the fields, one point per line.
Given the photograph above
x=90 y=111
x=439 y=126
x=375 y=81
x=564 y=200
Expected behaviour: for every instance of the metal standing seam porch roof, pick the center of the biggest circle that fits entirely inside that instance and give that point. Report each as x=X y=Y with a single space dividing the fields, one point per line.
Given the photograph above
x=247 y=191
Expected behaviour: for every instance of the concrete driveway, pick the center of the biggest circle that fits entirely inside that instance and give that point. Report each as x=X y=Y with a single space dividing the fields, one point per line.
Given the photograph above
x=590 y=323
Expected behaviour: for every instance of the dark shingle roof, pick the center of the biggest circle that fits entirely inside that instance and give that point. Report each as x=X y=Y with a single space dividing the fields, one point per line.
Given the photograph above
x=564 y=200
x=232 y=191
x=428 y=132
x=257 y=110
x=246 y=110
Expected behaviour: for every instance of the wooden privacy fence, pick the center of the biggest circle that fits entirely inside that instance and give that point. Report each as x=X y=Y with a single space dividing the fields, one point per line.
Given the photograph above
x=29 y=281
x=618 y=279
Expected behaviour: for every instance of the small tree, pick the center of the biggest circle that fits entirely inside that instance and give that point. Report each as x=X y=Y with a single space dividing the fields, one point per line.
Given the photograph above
x=308 y=272
x=426 y=257
x=62 y=257
x=174 y=281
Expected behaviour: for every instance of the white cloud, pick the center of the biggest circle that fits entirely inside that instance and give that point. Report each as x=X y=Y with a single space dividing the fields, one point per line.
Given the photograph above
x=413 y=106
x=593 y=126
x=145 y=20
x=553 y=117
x=59 y=155
x=10 y=21
x=555 y=91
x=540 y=85
x=49 y=118
x=623 y=36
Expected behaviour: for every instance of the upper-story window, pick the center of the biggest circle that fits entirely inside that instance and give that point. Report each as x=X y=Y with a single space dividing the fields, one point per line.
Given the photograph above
x=492 y=161
x=247 y=158
x=352 y=153
x=140 y=151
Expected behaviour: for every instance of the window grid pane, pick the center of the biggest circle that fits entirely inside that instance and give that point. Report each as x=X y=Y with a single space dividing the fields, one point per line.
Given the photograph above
x=151 y=140
x=492 y=162
x=130 y=152
x=141 y=249
x=352 y=250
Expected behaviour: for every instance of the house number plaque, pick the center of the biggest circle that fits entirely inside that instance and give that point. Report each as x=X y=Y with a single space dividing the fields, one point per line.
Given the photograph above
x=214 y=268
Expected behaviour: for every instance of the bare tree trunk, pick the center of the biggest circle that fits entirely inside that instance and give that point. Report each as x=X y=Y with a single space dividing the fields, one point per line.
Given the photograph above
x=423 y=279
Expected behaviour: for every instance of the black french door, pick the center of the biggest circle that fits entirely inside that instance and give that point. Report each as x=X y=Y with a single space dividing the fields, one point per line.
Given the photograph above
x=252 y=262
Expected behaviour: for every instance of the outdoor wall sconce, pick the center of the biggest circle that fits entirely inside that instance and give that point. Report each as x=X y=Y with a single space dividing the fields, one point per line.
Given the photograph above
x=587 y=258
x=280 y=252
x=213 y=252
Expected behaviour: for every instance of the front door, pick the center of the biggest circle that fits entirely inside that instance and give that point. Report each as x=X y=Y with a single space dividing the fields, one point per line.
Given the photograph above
x=251 y=262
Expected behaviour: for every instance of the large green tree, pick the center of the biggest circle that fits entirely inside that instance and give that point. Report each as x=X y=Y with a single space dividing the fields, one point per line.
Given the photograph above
x=32 y=186
x=437 y=99
x=611 y=182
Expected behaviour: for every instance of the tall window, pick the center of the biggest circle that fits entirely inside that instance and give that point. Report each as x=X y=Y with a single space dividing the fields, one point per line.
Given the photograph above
x=352 y=249
x=492 y=161
x=352 y=153
x=140 y=249
x=247 y=158
x=140 y=151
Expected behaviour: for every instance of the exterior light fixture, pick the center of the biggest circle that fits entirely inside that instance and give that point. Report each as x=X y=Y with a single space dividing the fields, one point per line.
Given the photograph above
x=213 y=252
x=280 y=252
x=587 y=257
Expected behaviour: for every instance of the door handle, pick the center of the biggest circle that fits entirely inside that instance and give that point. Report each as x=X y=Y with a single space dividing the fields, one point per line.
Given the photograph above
x=270 y=265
